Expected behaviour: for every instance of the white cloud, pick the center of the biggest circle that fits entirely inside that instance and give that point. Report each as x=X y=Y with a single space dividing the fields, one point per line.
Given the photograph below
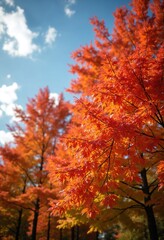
x=8 y=76
x=8 y=97
x=55 y=96
x=8 y=93
x=71 y=1
x=2 y=27
x=68 y=11
x=10 y=2
x=51 y=35
x=18 y=37
x=1 y=113
x=5 y=137
x=9 y=110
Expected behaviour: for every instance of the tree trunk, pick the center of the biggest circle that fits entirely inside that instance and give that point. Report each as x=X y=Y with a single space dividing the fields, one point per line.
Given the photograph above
x=149 y=208
x=151 y=223
x=77 y=232
x=35 y=220
x=61 y=234
x=73 y=233
x=49 y=227
x=19 y=224
x=20 y=214
x=97 y=235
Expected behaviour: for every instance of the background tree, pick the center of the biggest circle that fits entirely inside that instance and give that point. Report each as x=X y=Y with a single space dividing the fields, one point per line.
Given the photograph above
x=116 y=140
x=12 y=184
x=35 y=138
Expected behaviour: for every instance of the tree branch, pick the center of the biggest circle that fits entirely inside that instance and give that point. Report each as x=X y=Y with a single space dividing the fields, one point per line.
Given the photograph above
x=136 y=188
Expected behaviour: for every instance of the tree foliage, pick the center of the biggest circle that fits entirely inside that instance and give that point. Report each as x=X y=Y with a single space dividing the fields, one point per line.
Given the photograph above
x=102 y=165
x=25 y=187
x=115 y=142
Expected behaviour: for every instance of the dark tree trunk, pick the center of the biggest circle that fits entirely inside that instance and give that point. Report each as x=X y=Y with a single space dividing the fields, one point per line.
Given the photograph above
x=37 y=204
x=61 y=234
x=77 y=233
x=149 y=208
x=73 y=233
x=35 y=220
x=19 y=224
x=48 y=227
x=151 y=223
x=20 y=215
x=97 y=235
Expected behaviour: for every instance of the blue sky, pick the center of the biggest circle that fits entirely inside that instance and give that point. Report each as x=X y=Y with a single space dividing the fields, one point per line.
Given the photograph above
x=37 y=38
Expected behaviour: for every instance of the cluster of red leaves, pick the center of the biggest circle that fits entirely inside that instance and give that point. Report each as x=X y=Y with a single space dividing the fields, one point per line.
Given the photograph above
x=117 y=121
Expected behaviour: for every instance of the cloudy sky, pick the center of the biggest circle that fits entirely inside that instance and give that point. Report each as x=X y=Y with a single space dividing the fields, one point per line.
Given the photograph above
x=37 y=38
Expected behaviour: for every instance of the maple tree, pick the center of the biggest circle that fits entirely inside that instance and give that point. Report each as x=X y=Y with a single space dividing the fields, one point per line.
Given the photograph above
x=114 y=146
x=12 y=183
x=35 y=136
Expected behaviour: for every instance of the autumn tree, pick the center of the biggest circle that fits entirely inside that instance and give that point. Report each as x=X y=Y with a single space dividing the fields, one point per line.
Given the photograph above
x=115 y=142
x=12 y=183
x=35 y=138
